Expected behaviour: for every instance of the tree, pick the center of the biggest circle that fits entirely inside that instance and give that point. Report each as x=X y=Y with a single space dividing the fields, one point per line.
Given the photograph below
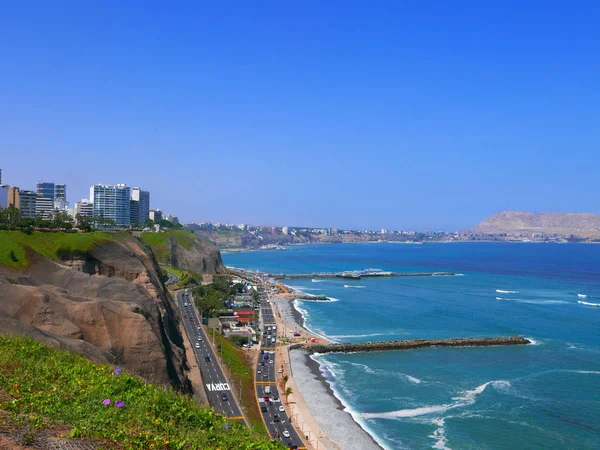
x=285 y=379
x=288 y=391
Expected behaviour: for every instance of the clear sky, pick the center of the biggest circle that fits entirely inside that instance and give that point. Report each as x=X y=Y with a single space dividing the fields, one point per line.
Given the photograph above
x=400 y=114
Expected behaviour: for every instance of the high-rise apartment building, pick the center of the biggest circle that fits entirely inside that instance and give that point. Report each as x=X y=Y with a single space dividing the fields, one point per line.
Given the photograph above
x=44 y=207
x=156 y=215
x=60 y=192
x=27 y=204
x=4 y=190
x=84 y=208
x=112 y=202
x=14 y=197
x=140 y=206
x=45 y=189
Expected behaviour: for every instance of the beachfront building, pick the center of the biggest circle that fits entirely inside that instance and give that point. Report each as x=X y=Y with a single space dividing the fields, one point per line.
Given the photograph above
x=112 y=202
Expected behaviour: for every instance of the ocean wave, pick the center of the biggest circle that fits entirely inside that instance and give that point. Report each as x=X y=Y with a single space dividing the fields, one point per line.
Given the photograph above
x=412 y=379
x=500 y=291
x=440 y=435
x=587 y=303
x=582 y=295
x=355 y=287
x=364 y=367
x=315 y=280
x=534 y=302
x=466 y=399
x=532 y=341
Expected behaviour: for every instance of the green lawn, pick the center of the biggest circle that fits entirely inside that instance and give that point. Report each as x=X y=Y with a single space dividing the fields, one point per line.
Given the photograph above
x=51 y=244
x=49 y=387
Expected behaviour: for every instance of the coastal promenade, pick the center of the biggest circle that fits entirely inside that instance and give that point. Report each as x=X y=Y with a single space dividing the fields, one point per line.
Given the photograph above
x=412 y=344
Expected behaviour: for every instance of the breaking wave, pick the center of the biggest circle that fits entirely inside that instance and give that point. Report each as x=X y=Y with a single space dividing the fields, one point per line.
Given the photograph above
x=587 y=303
x=582 y=295
x=466 y=399
x=500 y=291
x=355 y=287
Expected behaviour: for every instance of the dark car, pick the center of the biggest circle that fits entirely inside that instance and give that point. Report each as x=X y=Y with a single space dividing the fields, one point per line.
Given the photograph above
x=263 y=408
x=224 y=397
x=275 y=417
x=275 y=397
x=292 y=446
x=207 y=358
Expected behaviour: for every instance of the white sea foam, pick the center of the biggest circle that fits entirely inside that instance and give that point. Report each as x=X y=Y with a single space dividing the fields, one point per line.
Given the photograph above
x=347 y=336
x=532 y=341
x=587 y=303
x=413 y=379
x=364 y=367
x=534 y=302
x=440 y=435
x=586 y=372
x=468 y=398
x=500 y=291
x=355 y=287
x=314 y=280
x=499 y=298
x=582 y=295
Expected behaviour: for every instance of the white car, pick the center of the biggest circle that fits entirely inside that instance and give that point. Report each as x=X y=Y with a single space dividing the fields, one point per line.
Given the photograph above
x=272 y=361
x=285 y=433
x=281 y=408
x=280 y=371
x=199 y=338
x=271 y=352
x=197 y=345
x=259 y=371
x=185 y=304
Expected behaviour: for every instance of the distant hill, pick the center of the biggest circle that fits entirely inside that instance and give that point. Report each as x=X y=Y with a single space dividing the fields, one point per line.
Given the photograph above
x=582 y=225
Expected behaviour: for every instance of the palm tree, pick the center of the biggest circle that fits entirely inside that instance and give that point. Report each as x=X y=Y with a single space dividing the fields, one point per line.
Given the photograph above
x=288 y=391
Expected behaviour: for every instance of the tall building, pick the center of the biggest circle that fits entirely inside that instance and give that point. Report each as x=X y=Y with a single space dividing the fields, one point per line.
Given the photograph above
x=60 y=192
x=156 y=215
x=27 y=204
x=84 y=208
x=44 y=207
x=4 y=190
x=13 y=197
x=45 y=189
x=112 y=202
x=140 y=206
x=173 y=219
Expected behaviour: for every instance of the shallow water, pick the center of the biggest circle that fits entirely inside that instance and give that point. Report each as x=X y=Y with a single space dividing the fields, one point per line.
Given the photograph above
x=545 y=395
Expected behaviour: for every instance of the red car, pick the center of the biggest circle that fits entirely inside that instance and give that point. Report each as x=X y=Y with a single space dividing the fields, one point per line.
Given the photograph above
x=185 y=316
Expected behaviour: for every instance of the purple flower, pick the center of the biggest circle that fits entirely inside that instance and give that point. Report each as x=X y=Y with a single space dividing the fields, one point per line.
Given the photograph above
x=226 y=426
x=117 y=371
x=106 y=402
x=119 y=404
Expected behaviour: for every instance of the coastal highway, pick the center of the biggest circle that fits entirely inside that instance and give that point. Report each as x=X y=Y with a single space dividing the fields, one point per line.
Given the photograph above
x=172 y=278
x=215 y=383
x=274 y=414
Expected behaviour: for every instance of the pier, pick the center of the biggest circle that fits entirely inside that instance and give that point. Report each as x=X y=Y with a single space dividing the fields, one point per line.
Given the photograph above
x=356 y=276
x=416 y=343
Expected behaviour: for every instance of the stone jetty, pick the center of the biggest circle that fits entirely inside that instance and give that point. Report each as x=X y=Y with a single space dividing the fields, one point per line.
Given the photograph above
x=417 y=343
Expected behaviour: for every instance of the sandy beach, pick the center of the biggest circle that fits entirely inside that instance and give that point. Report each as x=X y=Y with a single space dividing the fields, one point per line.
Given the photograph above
x=322 y=413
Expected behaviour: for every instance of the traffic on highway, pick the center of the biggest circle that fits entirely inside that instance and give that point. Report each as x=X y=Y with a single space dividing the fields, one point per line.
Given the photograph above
x=271 y=405
x=216 y=385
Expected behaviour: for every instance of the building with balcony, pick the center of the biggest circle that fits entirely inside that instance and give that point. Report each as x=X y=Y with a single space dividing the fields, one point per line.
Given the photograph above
x=112 y=202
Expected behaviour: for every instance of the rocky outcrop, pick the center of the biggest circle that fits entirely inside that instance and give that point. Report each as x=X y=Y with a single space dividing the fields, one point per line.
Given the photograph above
x=108 y=303
x=417 y=343
x=201 y=256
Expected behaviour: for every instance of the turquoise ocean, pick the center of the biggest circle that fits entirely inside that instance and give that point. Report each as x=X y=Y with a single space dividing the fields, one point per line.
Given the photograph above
x=541 y=396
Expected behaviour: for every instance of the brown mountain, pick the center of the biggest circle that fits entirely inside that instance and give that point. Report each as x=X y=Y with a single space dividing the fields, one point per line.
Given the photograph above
x=582 y=225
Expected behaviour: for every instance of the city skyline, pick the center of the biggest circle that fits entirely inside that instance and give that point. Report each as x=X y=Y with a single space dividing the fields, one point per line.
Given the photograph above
x=387 y=115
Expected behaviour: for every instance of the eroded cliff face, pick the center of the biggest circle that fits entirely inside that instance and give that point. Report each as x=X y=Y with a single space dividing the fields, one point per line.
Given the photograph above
x=201 y=257
x=108 y=303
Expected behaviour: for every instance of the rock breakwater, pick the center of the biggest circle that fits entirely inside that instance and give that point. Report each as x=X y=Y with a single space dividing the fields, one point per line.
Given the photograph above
x=416 y=343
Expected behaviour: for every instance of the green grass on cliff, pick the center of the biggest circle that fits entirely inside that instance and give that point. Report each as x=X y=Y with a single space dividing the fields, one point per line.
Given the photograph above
x=160 y=243
x=55 y=387
x=13 y=244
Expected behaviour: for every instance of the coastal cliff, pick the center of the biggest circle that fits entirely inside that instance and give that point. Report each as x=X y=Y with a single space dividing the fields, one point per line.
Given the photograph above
x=417 y=343
x=99 y=294
x=185 y=251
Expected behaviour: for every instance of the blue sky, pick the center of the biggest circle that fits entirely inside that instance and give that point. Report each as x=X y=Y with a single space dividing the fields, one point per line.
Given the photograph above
x=401 y=114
